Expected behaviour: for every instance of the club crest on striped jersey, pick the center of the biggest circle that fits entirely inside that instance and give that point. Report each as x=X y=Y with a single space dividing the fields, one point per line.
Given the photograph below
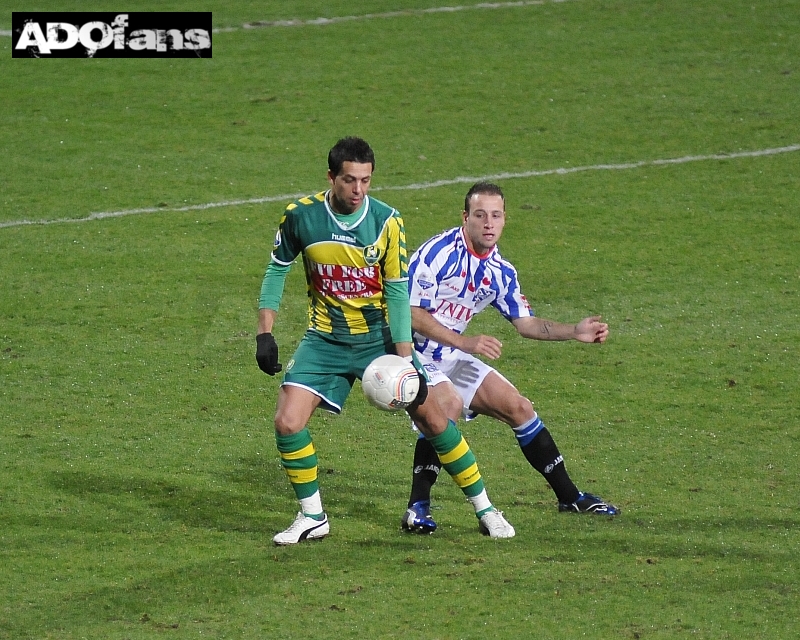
x=371 y=254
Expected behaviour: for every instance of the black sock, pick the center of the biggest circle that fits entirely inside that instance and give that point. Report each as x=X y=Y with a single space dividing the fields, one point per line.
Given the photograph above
x=426 y=470
x=544 y=456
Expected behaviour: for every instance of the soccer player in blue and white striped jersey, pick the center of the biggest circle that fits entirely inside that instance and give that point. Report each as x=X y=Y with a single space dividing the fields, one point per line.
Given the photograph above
x=452 y=277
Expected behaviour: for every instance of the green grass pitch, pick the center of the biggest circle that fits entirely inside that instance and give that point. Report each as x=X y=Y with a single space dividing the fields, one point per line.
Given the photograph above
x=650 y=155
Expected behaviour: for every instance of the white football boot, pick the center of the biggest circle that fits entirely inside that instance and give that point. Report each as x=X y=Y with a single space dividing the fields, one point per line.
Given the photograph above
x=494 y=525
x=303 y=528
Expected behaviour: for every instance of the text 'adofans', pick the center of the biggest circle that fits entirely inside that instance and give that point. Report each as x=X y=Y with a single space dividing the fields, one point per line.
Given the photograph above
x=111 y=35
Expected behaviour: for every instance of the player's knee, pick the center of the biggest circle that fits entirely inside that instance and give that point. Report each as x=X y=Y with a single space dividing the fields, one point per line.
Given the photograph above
x=449 y=401
x=429 y=418
x=452 y=406
x=520 y=410
x=284 y=426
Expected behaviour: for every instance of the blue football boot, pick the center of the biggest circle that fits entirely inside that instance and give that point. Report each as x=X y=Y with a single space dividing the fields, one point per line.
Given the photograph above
x=587 y=503
x=417 y=518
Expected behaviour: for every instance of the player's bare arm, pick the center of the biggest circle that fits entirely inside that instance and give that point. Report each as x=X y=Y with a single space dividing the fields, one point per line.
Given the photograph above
x=588 y=330
x=422 y=322
x=266 y=318
x=404 y=349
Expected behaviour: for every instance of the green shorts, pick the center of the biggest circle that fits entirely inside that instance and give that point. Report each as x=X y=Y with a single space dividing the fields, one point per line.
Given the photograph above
x=328 y=368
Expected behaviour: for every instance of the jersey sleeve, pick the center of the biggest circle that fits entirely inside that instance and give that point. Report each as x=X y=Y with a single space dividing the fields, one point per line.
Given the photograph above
x=422 y=285
x=272 y=286
x=286 y=246
x=395 y=262
x=511 y=302
x=399 y=311
x=425 y=269
x=395 y=276
x=283 y=254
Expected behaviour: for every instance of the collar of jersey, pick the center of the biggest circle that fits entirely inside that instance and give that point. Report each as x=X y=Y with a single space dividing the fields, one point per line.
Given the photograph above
x=471 y=251
x=349 y=220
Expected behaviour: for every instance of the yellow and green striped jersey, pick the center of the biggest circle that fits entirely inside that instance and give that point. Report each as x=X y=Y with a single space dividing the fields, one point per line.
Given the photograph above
x=347 y=259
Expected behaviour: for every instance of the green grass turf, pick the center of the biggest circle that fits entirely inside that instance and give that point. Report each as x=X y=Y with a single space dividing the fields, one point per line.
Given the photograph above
x=139 y=483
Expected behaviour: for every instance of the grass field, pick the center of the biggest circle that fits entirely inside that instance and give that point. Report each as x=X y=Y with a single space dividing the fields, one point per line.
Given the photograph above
x=650 y=155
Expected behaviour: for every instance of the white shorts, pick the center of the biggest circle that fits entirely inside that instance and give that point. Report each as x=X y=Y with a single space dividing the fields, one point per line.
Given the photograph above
x=464 y=370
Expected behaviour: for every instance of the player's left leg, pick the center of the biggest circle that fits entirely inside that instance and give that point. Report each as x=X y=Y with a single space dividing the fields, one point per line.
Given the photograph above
x=426 y=468
x=425 y=471
x=498 y=398
x=459 y=461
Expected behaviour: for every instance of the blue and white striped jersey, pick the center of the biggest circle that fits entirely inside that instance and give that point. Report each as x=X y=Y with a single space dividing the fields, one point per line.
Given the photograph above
x=453 y=284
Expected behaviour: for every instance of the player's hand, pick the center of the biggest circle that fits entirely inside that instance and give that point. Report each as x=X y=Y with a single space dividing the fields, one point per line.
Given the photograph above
x=591 y=330
x=487 y=346
x=267 y=354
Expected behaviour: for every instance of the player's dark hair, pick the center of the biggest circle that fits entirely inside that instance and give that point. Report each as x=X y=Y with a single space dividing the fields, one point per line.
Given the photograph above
x=486 y=188
x=350 y=149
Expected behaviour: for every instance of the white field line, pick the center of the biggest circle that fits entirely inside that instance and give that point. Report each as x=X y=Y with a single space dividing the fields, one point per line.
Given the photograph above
x=262 y=24
x=417 y=186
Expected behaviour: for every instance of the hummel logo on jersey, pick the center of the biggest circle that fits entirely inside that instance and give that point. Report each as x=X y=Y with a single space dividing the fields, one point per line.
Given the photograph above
x=340 y=238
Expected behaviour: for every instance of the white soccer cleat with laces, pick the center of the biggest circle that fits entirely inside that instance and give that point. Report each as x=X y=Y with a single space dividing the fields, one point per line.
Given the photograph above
x=303 y=528
x=494 y=525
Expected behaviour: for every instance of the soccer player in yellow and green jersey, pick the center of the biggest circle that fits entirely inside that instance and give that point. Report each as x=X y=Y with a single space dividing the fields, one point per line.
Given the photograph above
x=348 y=258
x=355 y=260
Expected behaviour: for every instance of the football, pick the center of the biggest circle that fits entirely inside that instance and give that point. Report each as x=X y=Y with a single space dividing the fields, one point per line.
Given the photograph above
x=390 y=383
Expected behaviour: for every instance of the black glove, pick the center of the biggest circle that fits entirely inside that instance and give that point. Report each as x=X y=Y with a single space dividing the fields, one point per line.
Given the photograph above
x=267 y=354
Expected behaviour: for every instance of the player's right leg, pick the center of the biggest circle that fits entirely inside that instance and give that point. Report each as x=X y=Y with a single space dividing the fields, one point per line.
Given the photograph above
x=299 y=461
x=498 y=398
x=304 y=389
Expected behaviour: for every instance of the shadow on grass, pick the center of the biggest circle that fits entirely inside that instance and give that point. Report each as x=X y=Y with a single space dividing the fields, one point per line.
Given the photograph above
x=253 y=497
x=134 y=499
